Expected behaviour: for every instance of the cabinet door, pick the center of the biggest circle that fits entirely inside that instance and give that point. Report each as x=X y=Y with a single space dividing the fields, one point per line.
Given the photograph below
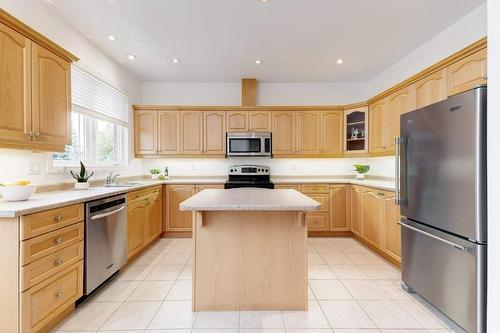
x=146 y=132
x=179 y=220
x=283 y=128
x=136 y=227
x=378 y=127
x=398 y=103
x=355 y=135
x=51 y=91
x=308 y=132
x=356 y=210
x=372 y=217
x=191 y=132
x=431 y=89
x=468 y=73
x=15 y=87
x=392 y=230
x=339 y=196
x=237 y=121
x=215 y=133
x=168 y=133
x=154 y=217
x=260 y=121
x=331 y=132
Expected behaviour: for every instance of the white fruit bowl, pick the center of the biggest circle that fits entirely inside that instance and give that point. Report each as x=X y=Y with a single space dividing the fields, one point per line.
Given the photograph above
x=17 y=193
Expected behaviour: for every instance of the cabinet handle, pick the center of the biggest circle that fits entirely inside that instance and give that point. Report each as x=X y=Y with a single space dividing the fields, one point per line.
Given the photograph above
x=381 y=194
x=59 y=218
x=58 y=240
x=484 y=76
x=58 y=261
x=30 y=134
x=59 y=293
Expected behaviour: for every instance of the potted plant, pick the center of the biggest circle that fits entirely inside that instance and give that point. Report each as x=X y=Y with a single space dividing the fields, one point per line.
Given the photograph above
x=155 y=173
x=361 y=170
x=82 y=178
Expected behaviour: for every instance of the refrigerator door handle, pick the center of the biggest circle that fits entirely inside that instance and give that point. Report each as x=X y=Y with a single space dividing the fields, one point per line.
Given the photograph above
x=447 y=242
x=397 y=197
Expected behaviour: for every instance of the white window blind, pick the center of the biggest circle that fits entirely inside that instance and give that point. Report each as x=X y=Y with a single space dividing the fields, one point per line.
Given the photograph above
x=96 y=98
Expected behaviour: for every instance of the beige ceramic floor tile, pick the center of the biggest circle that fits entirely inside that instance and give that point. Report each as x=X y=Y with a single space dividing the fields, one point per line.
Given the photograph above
x=262 y=330
x=310 y=293
x=357 y=330
x=365 y=258
x=175 y=259
x=310 y=330
x=381 y=272
x=137 y=273
x=313 y=318
x=261 y=319
x=346 y=314
x=365 y=289
x=217 y=319
x=165 y=272
x=116 y=290
x=146 y=259
x=336 y=259
x=424 y=317
x=320 y=272
x=132 y=315
x=89 y=316
x=182 y=290
x=389 y=314
x=173 y=315
x=187 y=273
x=151 y=291
x=349 y=272
x=329 y=290
x=315 y=259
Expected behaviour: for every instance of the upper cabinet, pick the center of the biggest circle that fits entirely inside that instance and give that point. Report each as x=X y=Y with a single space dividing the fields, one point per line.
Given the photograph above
x=356 y=130
x=331 y=132
x=191 y=132
x=215 y=133
x=249 y=121
x=260 y=121
x=378 y=127
x=431 y=89
x=283 y=128
x=146 y=132
x=237 y=121
x=468 y=73
x=169 y=138
x=400 y=102
x=35 y=89
x=308 y=132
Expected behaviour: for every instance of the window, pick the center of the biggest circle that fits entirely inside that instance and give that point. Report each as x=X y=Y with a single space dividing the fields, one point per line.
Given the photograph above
x=99 y=124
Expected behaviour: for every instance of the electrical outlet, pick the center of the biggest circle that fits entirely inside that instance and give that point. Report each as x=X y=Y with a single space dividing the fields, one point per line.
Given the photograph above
x=35 y=168
x=193 y=167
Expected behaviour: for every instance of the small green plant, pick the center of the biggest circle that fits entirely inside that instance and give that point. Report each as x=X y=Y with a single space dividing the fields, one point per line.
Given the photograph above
x=155 y=171
x=361 y=169
x=83 y=176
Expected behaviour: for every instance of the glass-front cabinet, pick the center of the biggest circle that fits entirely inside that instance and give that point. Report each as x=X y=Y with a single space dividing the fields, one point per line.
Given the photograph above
x=356 y=131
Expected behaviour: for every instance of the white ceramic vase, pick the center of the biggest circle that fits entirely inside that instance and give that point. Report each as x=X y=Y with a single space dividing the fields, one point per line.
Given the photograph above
x=82 y=186
x=155 y=177
x=360 y=176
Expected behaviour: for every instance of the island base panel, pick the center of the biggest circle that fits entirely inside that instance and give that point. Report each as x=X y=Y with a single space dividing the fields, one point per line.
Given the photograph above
x=249 y=260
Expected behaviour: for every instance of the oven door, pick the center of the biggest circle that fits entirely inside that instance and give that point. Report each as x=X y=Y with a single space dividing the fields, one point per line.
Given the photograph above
x=238 y=145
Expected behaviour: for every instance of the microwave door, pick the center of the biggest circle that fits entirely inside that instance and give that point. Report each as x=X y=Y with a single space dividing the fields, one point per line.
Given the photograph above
x=244 y=146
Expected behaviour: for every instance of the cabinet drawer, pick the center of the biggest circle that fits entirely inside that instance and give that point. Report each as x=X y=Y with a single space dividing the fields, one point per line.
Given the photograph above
x=140 y=194
x=323 y=199
x=40 y=270
x=49 y=220
x=317 y=221
x=316 y=188
x=46 y=300
x=289 y=186
x=41 y=246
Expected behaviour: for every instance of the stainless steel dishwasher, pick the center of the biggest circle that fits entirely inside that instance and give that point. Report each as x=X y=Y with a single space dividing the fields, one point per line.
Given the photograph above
x=105 y=239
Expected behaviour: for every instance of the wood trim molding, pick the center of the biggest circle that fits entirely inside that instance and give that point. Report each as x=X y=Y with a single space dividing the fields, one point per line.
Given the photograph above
x=248 y=92
x=240 y=108
x=35 y=36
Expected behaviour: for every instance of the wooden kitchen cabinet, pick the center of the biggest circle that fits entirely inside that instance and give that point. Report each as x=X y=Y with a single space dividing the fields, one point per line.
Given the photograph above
x=15 y=89
x=260 y=121
x=339 y=204
x=214 y=133
x=356 y=210
x=136 y=227
x=178 y=220
x=372 y=216
x=398 y=103
x=295 y=187
x=378 y=127
x=431 y=89
x=200 y=188
x=154 y=206
x=237 y=121
x=168 y=132
x=191 y=132
x=146 y=132
x=331 y=133
x=467 y=73
x=308 y=132
x=391 y=229
x=318 y=220
x=283 y=128
x=355 y=131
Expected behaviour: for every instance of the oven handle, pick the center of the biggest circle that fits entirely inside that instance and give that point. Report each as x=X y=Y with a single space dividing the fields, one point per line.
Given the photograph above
x=442 y=240
x=100 y=216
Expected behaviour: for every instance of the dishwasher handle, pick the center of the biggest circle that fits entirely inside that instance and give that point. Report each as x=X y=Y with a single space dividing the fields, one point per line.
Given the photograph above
x=100 y=216
x=442 y=240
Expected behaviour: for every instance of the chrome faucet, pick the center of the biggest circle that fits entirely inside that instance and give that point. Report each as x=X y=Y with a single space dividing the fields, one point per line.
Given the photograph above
x=110 y=179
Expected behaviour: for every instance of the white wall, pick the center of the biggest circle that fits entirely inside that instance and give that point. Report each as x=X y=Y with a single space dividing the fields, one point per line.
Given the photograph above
x=380 y=166
x=15 y=163
x=493 y=159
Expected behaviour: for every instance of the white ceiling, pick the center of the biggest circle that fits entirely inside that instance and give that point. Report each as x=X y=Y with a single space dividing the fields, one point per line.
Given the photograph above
x=297 y=40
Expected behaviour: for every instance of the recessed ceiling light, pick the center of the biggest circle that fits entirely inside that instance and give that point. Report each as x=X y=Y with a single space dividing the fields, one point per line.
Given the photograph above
x=50 y=1
x=264 y=1
x=111 y=37
x=131 y=57
x=163 y=62
x=258 y=62
x=175 y=60
x=340 y=61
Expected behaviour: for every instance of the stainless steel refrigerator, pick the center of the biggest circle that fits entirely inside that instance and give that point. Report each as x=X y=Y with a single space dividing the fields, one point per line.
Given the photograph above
x=441 y=188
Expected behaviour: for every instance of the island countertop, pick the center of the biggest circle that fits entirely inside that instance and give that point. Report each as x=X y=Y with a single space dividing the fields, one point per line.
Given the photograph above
x=245 y=199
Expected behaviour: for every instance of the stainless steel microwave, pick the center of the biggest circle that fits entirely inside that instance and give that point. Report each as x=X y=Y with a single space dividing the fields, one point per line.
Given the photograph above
x=248 y=144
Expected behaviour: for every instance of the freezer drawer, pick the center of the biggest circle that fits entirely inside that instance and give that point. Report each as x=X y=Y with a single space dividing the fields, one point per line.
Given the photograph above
x=448 y=272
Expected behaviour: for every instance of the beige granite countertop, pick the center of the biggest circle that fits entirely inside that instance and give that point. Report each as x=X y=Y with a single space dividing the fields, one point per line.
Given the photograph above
x=250 y=199
x=49 y=200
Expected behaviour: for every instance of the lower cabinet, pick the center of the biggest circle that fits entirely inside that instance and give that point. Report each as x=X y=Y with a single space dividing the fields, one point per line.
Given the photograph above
x=144 y=218
x=339 y=204
x=356 y=210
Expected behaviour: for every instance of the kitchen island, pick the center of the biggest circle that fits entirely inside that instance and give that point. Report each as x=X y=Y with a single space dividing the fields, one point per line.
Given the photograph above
x=250 y=249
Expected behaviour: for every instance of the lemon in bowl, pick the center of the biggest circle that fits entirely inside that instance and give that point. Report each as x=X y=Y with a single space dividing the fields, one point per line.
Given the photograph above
x=17 y=191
